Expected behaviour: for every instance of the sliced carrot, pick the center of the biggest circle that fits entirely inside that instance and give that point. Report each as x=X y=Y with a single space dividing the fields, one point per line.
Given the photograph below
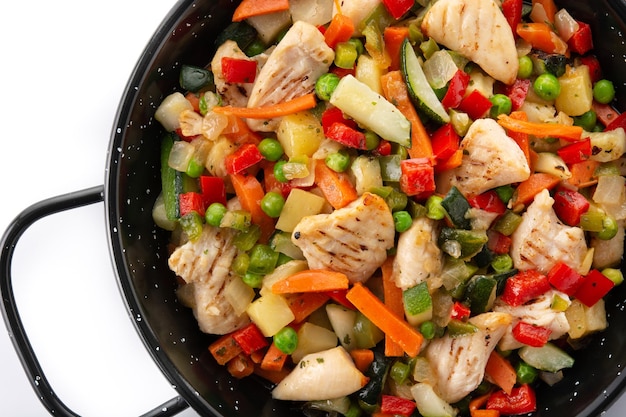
x=501 y=372
x=311 y=280
x=454 y=161
x=340 y=29
x=476 y=410
x=336 y=186
x=274 y=359
x=250 y=8
x=541 y=130
x=394 y=36
x=527 y=190
x=238 y=132
x=305 y=303
x=240 y=366
x=224 y=349
x=305 y=102
x=373 y=308
x=249 y=191
x=541 y=36
x=362 y=358
x=393 y=300
x=257 y=356
x=273 y=376
x=485 y=413
x=395 y=90
x=521 y=138
x=583 y=173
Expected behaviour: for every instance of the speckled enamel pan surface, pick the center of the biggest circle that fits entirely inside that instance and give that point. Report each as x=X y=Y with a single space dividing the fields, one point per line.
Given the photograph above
x=139 y=249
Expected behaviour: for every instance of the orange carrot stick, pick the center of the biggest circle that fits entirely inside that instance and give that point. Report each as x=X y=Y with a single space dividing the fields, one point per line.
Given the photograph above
x=476 y=410
x=362 y=358
x=542 y=130
x=311 y=280
x=224 y=349
x=395 y=90
x=501 y=372
x=527 y=190
x=336 y=186
x=341 y=29
x=274 y=359
x=305 y=102
x=399 y=330
x=394 y=36
x=393 y=301
x=250 y=8
x=305 y=303
x=249 y=191
x=583 y=173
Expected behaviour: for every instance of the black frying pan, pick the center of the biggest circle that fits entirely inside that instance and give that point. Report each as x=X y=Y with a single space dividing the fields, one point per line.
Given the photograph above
x=139 y=248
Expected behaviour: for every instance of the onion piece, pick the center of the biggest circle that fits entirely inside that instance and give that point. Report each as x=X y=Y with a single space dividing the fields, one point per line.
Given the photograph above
x=565 y=24
x=439 y=69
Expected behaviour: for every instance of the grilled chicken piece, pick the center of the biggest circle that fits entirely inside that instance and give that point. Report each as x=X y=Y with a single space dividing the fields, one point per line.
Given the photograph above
x=353 y=240
x=459 y=362
x=418 y=257
x=291 y=70
x=478 y=30
x=232 y=94
x=541 y=240
x=490 y=159
x=539 y=313
x=204 y=264
x=318 y=376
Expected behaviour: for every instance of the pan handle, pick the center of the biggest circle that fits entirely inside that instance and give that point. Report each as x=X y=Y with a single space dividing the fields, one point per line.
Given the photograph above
x=10 y=312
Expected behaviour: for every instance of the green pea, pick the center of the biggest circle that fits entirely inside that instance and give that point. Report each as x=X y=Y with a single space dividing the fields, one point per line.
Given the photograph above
x=501 y=104
x=279 y=173
x=338 y=161
x=603 y=91
x=525 y=69
x=194 y=168
x=272 y=204
x=586 y=120
x=609 y=228
x=215 y=213
x=263 y=259
x=325 y=85
x=286 y=340
x=614 y=275
x=372 y=140
x=403 y=221
x=502 y=263
x=252 y=279
x=358 y=45
x=271 y=149
x=240 y=264
x=427 y=329
x=434 y=209
x=547 y=86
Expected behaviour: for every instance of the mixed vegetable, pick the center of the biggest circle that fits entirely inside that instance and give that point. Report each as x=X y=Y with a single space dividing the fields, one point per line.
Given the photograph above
x=396 y=208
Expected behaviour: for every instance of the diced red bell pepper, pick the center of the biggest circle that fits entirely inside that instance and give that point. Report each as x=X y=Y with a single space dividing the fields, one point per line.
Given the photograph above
x=565 y=278
x=390 y=404
x=575 y=152
x=417 y=177
x=595 y=286
x=342 y=72
x=524 y=286
x=445 y=141
x=213 y=190
x=460 y=311
x=189 y=202
x=619 y=121
x=531 y=335
x=595 y=70
x=522 y=400
x=244 y=157
x=581 y=41
x=339 y=296
x=488 y=201
x=383 y=148
x=456 y=89
x=398 y=8
x=475 y=104
x=236 y=70
x=335 y=115
x=512 y=11
x=517 y=92
x=346 y=135
x=498 y=243
x=569 y=205
x=250 y=338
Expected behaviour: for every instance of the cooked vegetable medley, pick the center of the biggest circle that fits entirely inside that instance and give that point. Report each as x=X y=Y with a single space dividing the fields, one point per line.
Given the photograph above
x=396 y=208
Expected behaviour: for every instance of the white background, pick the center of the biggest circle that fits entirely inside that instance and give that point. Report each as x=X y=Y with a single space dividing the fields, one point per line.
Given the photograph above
x=64 y=65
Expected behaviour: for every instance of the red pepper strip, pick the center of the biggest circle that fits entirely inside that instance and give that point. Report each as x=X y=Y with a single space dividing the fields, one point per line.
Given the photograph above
x=460 y=311
x=397 y=8
x=347 y=136
x=531 y=335
x=213 y=190
x=595 y=71
x=390 y=404
x=445 y=141
x=418 y=177
x=383 y=148
x=237 y=70
x=524 y=286
x=498 y=243
x=581 y=41
x=335 y=115
x=488 y=201
x=618 y=122
x=250 y=338
x=521 y=401
x=517 y=92
x=512 y=11
x=339 y=296
x=456 y=90
x=244 y=157
x=189 y=202
x=564 y=278
x=569 y=205
x=595 y=286
x=575 y=152
x=475 y=104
